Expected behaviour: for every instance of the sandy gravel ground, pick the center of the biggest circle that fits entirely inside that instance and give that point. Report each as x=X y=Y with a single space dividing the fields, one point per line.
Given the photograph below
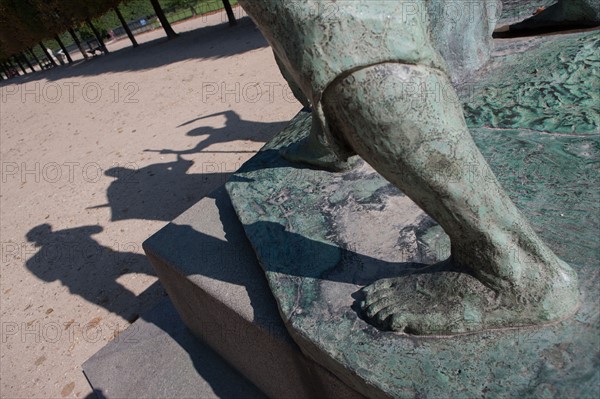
x=98 y=156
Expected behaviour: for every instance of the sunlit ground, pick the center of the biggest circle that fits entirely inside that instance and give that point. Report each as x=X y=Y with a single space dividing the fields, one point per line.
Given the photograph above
x=98 y=156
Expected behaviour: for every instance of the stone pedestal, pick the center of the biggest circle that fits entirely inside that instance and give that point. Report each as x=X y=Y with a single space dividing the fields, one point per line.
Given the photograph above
x=321 y=237
x=158 y=357
x=211 y=274
x=235 y=344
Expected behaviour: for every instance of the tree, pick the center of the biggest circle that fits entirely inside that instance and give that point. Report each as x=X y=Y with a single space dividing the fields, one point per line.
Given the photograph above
x=135 y=9
x=125 y=26
x=229 y=11
x=37 y=60
x=98 y=35
x=24 y=57
x=23 y=23
x=16 y=58
x=77 y=42
x=63 y=48
x=48 y=55
x=21 y=26
x=163 y=20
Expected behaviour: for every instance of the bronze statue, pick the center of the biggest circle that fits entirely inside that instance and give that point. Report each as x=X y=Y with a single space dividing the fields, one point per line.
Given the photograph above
x=370 y=70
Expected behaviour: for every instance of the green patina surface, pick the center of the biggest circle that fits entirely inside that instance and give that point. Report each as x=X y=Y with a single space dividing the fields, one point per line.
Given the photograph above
x=518 y=10
x=322 y=236
x=548 y=90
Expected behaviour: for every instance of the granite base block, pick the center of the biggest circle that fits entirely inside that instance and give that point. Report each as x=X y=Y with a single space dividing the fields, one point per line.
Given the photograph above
x=211 y=274
x=158 y=357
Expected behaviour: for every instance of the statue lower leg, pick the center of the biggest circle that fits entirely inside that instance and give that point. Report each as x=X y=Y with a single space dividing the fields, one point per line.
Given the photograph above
x=500 y=273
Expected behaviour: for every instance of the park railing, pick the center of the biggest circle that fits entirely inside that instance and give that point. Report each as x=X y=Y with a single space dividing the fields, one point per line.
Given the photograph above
x=202 y=8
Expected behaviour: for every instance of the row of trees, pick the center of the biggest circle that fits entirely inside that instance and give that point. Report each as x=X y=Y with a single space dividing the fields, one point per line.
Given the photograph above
x=25 y=24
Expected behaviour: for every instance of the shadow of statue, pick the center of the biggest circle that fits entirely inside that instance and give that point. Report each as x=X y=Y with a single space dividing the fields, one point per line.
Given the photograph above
x=196 y=254
x=235 y=129
x=91 y=270
x=159 y=191
x=233 y=259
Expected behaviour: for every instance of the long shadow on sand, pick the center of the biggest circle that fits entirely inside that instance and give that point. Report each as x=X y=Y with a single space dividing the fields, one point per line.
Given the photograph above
x=235 y=129
x=209 y=42
x=160 y=191
x=89 y=269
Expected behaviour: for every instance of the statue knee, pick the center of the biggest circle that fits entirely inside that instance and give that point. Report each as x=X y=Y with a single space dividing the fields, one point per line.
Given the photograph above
x=403 y=87
x=403 y=103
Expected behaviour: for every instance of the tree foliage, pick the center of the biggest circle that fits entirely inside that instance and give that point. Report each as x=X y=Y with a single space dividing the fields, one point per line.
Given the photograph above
x=24 y=23
x=20 y=26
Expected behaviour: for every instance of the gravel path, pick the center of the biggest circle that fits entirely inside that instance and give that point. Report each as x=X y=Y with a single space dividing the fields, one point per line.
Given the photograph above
x=98 y=156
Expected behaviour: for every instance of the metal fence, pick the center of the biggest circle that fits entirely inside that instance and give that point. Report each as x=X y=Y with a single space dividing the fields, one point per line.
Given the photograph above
x=174 y=14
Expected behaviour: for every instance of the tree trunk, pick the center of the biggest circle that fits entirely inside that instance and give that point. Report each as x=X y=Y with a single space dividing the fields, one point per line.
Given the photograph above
x=63 y=48
x=193 y=10
x=16 y=58
x=35 y=58
x=24 y=58
x=230 y=14
x=98 y=36
x=163 y=20
x=78 y=43
x=45 y=50
x=3 y=69
x=126 y=27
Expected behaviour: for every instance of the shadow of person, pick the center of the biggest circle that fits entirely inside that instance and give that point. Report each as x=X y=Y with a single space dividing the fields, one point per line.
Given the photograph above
x=91 y=270
x=159 y=191
x=235 y=129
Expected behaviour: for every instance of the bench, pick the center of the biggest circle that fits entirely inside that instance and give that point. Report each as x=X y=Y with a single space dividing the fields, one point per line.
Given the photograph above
x=94 y=46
